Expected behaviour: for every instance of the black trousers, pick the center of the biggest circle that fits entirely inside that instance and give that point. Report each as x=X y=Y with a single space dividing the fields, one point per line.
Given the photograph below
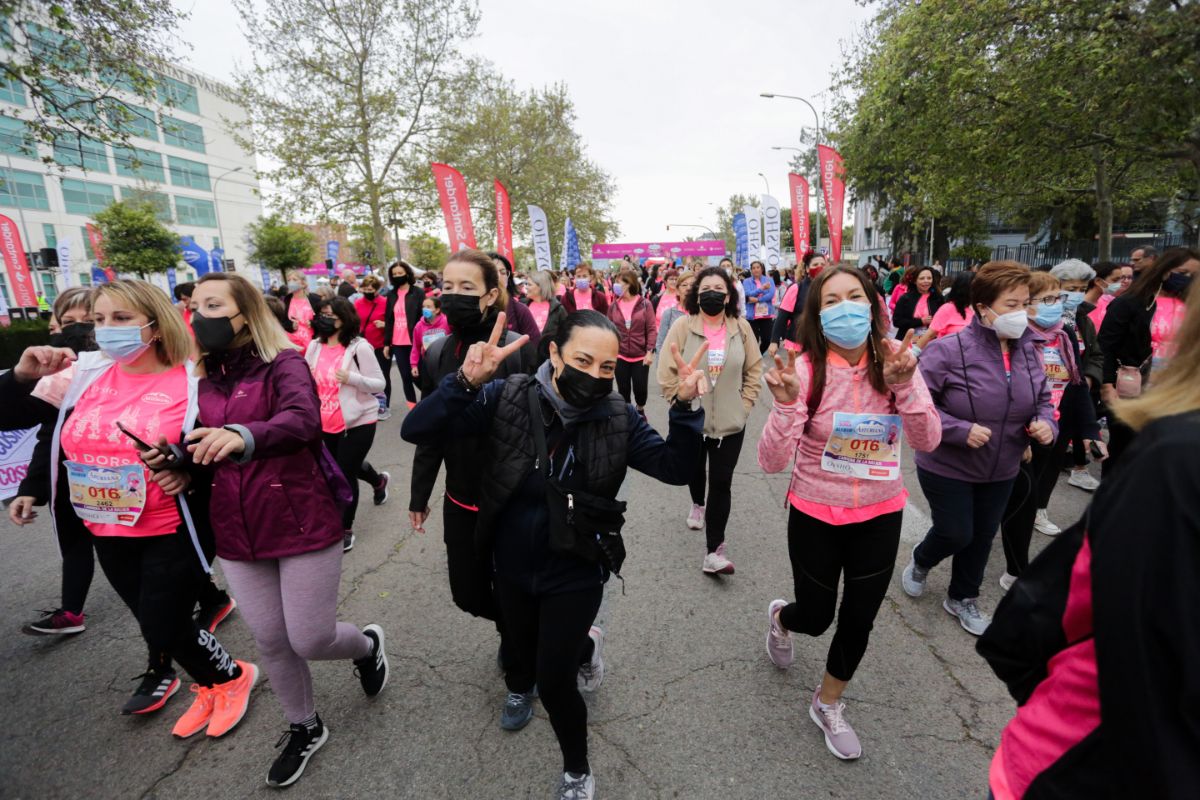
x=349 y=448
x=402 y=353
x=863 y=555
x=385 y=364
x=1016 y=527
x=160 y=579
x=470 y=571
x=637 y=374
x=722 y=456
x=78 y=563
x=547 y=636
x=1120 y=437
x=762 y=332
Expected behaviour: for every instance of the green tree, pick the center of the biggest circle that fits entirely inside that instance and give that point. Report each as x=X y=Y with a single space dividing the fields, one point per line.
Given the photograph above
x=134 y=239
x=527 y=141
x=428 y=251
x=362 y=247
x=75 y=59
x=279 y=246
x=350 y=96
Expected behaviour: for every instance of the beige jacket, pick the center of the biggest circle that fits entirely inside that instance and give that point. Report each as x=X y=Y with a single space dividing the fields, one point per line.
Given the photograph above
x=727 y=404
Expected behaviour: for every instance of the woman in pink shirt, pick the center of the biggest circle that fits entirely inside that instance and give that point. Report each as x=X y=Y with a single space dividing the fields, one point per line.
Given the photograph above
x=548 y=313
x=838 y=412
x=401 y=317
x=301 y=307
x=371 y=308
x=953 y=315
x=583 y=293
x=433 y=326
x=638 y=331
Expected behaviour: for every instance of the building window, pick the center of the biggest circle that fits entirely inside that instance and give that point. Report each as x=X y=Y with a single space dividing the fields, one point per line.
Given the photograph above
x=85 y=278
x=12 y=91
x=134 y=162
x=49 y=287
x=133 y=120
x=15 y=139
x=216 y=242
x=73 y=150
x=68 y=102
x=49 y=235
x=195 y=212
x=182 y=134
x=191 y=174
x=49 y=45
x=22 y=189
x=177 y=94
x=160 y=201
x=86 y=197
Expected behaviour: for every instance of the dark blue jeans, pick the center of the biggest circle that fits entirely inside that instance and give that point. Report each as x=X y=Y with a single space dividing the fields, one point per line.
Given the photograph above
x=965 y=519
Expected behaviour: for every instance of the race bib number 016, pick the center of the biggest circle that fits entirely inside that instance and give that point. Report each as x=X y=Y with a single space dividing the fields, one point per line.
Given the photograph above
x=108 y=495
x=865 y=446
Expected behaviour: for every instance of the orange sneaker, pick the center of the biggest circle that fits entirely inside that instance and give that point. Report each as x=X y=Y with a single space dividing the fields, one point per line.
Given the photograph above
x=231 y=699
x=198 y=714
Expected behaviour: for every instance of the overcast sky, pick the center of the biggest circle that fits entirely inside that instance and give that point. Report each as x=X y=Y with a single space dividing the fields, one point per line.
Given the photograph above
x=666 y=91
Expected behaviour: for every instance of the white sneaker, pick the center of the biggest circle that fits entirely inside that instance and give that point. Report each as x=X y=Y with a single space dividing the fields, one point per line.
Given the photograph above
x=912 y=580
x=695 y=519
x=973 y=621
x=715 y=563
x=1006 y=581
x=1042 y=524
x=1082 y=479
x=576 y=787
x=591 y=674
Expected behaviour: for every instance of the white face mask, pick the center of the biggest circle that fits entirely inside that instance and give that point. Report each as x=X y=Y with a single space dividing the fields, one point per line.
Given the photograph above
x=1011 y=325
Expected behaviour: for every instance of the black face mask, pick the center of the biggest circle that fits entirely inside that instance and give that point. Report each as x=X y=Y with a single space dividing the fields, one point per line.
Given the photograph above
x=79 y=336
x=399 y=280
x=462 y=311
x=1177 y=283
x=213 y=333
x=324 y=326
x=712 y=302
x=368 y=296
x=580 y=389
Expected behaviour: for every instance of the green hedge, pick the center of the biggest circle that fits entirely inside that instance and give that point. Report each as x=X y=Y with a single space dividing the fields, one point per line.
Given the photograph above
x=16 y=337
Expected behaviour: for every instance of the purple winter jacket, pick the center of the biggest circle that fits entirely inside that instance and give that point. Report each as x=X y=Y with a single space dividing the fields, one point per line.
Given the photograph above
x=271 y=501
x=965 y=376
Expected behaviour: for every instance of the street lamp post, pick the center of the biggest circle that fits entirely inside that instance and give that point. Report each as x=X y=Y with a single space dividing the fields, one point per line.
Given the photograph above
x=217 y=209
x=765 y=182
x=818 y=118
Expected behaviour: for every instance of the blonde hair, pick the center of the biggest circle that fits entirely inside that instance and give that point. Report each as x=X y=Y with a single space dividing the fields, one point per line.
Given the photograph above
x=262 y=327
x=173 y=343
x=1177 y=389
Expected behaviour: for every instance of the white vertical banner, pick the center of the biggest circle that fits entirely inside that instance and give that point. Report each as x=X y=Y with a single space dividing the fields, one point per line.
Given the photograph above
x=771 y=226
x=64 y=263
x=541 y=238
x=754 y=229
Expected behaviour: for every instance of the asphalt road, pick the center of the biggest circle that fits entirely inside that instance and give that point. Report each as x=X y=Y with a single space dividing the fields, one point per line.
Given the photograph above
x=690 y=706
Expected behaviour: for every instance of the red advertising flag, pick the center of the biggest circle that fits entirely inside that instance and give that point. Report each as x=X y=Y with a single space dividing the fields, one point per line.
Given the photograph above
x=798 y=188
x=97 y=240
x=503 y=223
x=452 y=190
x=833 y=187
x=20 y=279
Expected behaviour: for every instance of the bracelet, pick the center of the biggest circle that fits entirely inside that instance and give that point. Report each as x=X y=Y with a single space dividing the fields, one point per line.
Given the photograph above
x=464 y=382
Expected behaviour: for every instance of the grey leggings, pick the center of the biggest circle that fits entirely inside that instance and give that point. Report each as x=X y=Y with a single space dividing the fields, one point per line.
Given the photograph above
x=290 y=605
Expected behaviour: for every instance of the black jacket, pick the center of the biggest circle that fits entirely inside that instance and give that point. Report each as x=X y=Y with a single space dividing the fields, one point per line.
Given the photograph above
x=787 y=323
x=1125 y=336
x=903 y=317
x=412 y=312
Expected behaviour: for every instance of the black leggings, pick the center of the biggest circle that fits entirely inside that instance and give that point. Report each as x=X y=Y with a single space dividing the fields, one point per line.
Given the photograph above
x=402 y=353
x=160 y=579
x=722 y=455
x=547 y=637
x=385 y=364
x=636 y=373
x=78 y=563
x=349 y=448
x=762 y=331
x=1031 y=491
x=820 y=553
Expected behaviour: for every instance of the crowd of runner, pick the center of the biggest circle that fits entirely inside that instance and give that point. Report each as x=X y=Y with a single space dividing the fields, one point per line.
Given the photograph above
x=233 y=427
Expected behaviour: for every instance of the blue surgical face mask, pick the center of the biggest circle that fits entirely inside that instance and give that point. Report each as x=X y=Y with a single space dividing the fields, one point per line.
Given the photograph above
x=618 y=289
x=847 y=324
x=122 y=343
x=1113 y=287
x=293 y=286
x=1073 y=301
x=1048 y=315
x=428 y=313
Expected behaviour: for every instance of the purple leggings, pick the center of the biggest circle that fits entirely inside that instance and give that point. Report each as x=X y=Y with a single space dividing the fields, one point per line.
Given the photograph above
x=290 y=605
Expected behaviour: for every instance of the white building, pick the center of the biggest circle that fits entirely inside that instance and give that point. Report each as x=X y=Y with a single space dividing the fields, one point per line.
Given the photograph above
x=181 y=159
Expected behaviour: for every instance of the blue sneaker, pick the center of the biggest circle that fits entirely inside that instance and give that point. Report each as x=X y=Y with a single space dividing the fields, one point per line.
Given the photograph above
x=517 y=711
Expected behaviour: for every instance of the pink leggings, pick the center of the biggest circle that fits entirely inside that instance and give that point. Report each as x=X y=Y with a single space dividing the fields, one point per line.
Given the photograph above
x=290 y=605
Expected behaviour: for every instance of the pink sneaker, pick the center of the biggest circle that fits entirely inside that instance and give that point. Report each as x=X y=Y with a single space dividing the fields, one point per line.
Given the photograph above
x=779 y=640
x=839 y=736
x=715 y=563
x=695 y=519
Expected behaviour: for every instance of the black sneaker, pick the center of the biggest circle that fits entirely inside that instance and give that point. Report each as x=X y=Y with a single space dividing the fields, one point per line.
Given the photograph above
x=155 y=689
x=381 y=488
x=55 y=623
x=372 y=670
x=299 y=743
x=347 y=541
x=210 y=617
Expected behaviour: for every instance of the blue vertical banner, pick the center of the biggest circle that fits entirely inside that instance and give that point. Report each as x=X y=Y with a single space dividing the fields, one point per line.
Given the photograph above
x=195 y=255
x=266 y=276
x=570 y=251
x=172 y=280
x=742 y=249
x=99 y=276
x=331 y=250
x=217 y=256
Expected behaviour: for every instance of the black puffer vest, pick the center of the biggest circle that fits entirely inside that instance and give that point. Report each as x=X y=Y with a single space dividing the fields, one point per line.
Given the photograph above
x=601 y=444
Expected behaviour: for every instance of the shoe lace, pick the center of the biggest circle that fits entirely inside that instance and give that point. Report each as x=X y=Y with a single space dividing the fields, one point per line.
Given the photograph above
x=293 y=740
x=515 y=700
x=969 y=609
x=573 y=788
x=150 y=680
x=834 y=718
x=587 y=671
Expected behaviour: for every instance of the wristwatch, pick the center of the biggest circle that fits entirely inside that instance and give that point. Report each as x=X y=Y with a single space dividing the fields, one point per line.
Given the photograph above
x=684 y=405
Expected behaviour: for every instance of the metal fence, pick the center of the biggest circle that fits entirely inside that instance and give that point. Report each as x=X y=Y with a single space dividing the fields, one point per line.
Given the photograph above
x=1042 y=255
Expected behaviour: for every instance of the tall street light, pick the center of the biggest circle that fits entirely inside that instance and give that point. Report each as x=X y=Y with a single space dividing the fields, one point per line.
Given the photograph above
x=817 y=116
x=217 y=208
x=765 y=182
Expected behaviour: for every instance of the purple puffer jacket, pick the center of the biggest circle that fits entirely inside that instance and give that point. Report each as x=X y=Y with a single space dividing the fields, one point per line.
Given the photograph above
x=272 y=501
x=965 y=376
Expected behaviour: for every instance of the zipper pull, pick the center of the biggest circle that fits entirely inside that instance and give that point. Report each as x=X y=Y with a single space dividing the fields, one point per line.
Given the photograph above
x=570 y=509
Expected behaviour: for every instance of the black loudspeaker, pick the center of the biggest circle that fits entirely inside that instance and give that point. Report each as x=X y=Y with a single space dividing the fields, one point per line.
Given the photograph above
x=49 y=257
x=329 y=264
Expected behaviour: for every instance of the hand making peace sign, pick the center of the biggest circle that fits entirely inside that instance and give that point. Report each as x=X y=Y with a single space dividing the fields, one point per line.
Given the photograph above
x=782 y=381
x=899 y=366
x=693 y=382
x=484 y=358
